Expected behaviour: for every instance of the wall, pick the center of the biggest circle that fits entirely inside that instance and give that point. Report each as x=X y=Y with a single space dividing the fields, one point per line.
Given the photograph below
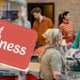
x=2 y=7
x=14 y=6
x=62 y=5
x=48 y=10
x=8 y=6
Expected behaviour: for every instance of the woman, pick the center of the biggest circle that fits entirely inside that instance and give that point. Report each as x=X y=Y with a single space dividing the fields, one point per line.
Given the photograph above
x=66 y=27
x=22 y=20
x=52 y=59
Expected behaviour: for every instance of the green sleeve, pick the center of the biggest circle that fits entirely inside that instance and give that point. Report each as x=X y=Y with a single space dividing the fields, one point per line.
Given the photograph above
x=76 y=41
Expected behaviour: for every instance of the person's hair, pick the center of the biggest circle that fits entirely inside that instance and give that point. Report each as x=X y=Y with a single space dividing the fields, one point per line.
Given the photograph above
x=36 y=10
x=54 y=37
x=62 y=16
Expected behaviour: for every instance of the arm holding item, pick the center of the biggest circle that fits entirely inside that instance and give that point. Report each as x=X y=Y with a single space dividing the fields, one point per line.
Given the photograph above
x=73 y=62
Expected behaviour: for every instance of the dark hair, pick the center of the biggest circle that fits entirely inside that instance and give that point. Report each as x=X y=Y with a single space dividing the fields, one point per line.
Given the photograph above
x=61 y=17
x=36 y=10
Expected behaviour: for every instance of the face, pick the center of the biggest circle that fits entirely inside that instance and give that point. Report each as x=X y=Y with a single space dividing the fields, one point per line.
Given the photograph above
x=36 y=16
x=67 y=17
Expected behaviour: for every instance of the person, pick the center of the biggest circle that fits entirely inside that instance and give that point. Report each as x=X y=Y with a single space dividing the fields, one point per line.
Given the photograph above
x=66 y=27
x=52 y=60
x=22 y=21
x=76 y=43
x=73 y=53
x=41 y=24
x=40 y=48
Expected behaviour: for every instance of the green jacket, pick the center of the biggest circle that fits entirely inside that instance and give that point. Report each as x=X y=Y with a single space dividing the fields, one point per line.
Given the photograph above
x=76 y=41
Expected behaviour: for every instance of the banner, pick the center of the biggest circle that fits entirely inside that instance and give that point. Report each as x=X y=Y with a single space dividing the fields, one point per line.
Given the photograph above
x=16 y=45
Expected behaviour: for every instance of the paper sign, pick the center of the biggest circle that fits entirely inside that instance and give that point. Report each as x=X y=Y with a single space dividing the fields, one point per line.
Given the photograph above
x=16 y=45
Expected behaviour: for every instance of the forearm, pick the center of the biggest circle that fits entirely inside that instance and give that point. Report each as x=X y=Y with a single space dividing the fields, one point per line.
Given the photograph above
x=73 y=62
x=61 y=77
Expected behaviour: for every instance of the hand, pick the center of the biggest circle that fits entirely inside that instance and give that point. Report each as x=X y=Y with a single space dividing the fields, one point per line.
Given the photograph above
x=62 y=77
x=71 y=62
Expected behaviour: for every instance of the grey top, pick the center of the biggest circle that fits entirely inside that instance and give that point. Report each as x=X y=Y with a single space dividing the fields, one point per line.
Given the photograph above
x=51 y=61
x=25 y=23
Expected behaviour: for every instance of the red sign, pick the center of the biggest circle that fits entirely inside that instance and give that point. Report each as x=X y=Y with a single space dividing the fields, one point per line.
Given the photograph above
x=16 y=44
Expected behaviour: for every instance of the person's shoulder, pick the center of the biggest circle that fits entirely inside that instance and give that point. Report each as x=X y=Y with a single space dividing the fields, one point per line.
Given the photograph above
x=28 y=21
x=53 y=51
x=70 y=23
x=46 y=18
x=61 y=25
x=15 y=21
